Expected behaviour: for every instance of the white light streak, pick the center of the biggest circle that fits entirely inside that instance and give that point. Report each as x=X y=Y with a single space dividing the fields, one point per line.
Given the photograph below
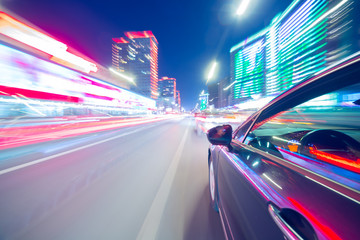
x=122 y=75
x=226 y=88
x=212 y=71
x=242 y=7
x=272 y=180
x=28 y=105
x=316 y=22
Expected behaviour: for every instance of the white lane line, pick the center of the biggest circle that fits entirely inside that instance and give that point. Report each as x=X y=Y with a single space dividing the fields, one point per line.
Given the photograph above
x=152 y=220
x=12 y=169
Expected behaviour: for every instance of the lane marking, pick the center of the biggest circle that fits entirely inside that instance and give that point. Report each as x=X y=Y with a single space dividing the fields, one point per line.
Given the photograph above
x=12 y=169
x=152 y=220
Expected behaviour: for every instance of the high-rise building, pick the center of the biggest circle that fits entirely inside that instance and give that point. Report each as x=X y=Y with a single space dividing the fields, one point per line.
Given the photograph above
x=219 y=93
x=309 y=37
x=178 y=99
x=167 y=88
x=213 y=90
x=224 y=93
x=167 y=93
x=136 y=54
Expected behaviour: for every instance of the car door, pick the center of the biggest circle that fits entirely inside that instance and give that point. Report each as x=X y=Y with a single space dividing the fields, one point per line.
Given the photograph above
x=242 y=206
x=243 y=203
x=295 y=173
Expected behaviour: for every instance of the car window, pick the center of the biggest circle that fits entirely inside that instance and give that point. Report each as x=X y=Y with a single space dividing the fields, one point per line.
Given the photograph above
x=324 y=130
x=241 y=132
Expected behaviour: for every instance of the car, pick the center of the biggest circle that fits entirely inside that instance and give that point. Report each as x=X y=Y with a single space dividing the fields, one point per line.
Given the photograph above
x=292 y=169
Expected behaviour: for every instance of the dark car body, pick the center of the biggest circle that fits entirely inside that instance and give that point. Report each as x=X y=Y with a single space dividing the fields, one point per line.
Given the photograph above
x=292 y=169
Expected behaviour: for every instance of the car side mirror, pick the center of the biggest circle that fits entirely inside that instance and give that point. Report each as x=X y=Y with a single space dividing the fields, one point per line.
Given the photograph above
x=220 y=135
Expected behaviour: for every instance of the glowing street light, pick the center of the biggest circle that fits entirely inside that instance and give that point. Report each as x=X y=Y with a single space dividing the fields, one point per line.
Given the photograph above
x=212 y=71
x=242 y=7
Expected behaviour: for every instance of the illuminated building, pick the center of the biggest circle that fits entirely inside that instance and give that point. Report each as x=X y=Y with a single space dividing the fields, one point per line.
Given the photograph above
x=224 y=94
x=28 y=38
x=218 y=94
x=137 y=54
x=167 y=93
x=167 y=88
x=52 y=79
x=204 y=100
x=119 y=50
x=178 y=99
x=308 y=37
x=213 y=90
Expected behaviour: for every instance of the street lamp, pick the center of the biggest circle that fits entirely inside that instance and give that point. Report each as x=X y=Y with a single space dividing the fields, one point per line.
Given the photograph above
x=213 y=66
x=242 y=7
x=211 y=73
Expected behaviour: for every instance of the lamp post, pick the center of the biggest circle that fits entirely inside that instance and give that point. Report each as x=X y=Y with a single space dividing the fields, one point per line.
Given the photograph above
x=213 y=66
x=211 y=72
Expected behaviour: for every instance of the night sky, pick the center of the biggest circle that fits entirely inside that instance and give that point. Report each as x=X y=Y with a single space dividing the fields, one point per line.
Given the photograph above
x=191 y=33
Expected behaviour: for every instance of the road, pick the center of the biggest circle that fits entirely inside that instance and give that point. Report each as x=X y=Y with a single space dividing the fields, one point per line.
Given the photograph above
x=148 y=181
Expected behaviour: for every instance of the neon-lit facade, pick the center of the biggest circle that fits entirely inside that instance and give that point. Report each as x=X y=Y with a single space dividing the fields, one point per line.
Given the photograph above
x=57 y=51
x=309 y=36
x=42 y=80
x=249 y=70
x=301 y=43
x=137 y=55
x=40 y=77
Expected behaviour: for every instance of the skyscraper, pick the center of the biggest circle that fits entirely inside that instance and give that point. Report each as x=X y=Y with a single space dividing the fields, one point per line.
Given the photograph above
x=136 y=54
x=213 y=90
x=167 y=93
x=306 y=39
x=167 y=88
x=178 y=99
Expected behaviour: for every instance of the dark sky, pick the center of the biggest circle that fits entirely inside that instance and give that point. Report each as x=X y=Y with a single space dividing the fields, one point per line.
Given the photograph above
x=191 y=33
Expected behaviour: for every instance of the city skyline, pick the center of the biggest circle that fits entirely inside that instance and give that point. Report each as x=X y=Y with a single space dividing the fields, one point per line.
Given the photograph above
x=190 y=34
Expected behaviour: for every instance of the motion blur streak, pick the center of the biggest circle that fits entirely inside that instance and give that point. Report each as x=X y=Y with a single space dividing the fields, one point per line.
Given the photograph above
x=5 y=90
x=337 y=160
x=19 y=31
x=64 y=153
x=330 y=234
x=47 y=89
x=19 y=136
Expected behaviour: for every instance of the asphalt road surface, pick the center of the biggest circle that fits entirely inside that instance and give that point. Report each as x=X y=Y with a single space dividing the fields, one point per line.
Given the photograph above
x=143 y=182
